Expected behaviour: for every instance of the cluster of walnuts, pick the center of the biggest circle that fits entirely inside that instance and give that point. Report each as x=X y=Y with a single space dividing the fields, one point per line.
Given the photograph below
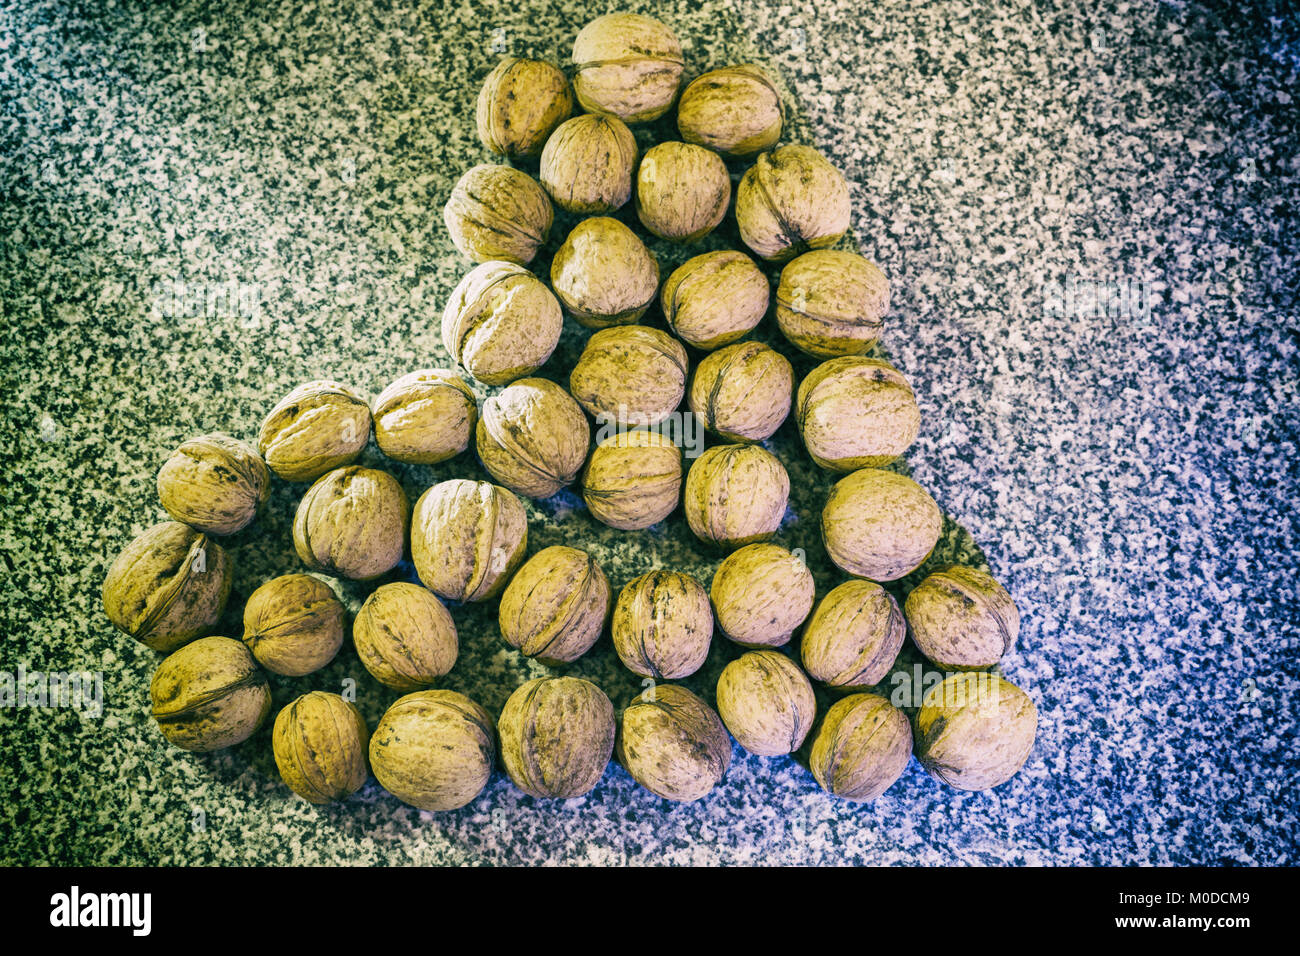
x=436 y=749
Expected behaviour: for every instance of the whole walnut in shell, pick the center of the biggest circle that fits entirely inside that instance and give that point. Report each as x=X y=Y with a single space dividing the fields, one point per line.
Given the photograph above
x=319 y=743
x=961 y=618
x=853 y=637
x=214 y=483
x=861 y=747
x=975 y=730
x=519 y=106
x=317 y=427
x=682 y=191
x=761 y=594
x=588 y=163
x=167 y=586
x=498 y=212
x=604 y=275
x=533 y=437
x=209 y=695
x=831 y=302
x=630 y=374
x=879 y=525
x=425 y=417
x=405 y=637
x=555 y=606
x=766 y=702
x=791 y=200
x=467 y=538
x=715 y=298
x=628 y=65
x=293 y=624
x=633 y=480
x=736 y=495
x=856 y=412
x=735 y=110
x=434 y=749
x=352 y=522
x=557 y=735
x=742 y=392
x=663 y=625
x=673 y=743
x=501 y=323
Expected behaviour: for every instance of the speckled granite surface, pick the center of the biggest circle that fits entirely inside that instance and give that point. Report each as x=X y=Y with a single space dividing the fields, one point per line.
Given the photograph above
x=1130 y=477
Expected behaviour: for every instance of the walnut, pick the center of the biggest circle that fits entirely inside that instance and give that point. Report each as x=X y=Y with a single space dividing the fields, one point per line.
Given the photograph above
x=317 y=427
x=856 y=412
x=766 y=702
x=975 y=730
x=853 y=637
x=604 y=275
x=434 y=749
x=501 y=323
x=520 y=104
x=861 y=747
x=673 y=744
x=879 y=525
x=682 y=191
x=467 y=538
x=791 y=200
x=961 y=618
x=405 y=637
x=587 y=164
x=533 y=437
x=736 y=495
x=425 y=417
x=209 y=695
x=735 y=110
x=633 y=480
x=557 y=735
x=352 y=522
x=497 y=212
x=715 y=298
x=742 y=392
x=555 y=606
x=214 y=483
x=628 y=65
x=761 y=594
x=663 y=625
x=319 y=743
x=630 y=374
x=831 y=303
x=293 y=624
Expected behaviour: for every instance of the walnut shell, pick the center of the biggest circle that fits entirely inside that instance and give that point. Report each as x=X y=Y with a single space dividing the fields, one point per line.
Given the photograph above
x=760 y=595
x=319 y=743
x=168 y=586
x=557 y=735
x=467 y=538
x=735 y=110
x=975 y=730
x=604 y=275
x=293 y=624
x=831 y=302
x=856 y=412
x=879 y=525
x=501 y=323
x=791 y=200
x=317 y=427
x=209 y=695
x=682 y=191
x=555 y=606
x=861 y=747
x=742 y=392
x=766 y=702
x=633 y=480
x=498 y=212
x=853 y=637
x=425 y=417
x=663 y=625
x=628 y=65
x=630 y=374
x=961 y=618
x=519 y=106
x=214 y=483
x=673 y=743
x=715 y=298
x=404 y=637
x=587 y=164
x=352 y=522
x=533 y=437
x=434 y=749
x=736 y=495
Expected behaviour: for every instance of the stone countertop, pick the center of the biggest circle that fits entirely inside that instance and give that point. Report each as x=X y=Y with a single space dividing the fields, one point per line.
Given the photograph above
x=202 y=209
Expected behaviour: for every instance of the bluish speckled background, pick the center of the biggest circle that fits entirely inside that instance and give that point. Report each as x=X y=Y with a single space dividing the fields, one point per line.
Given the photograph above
x=1132 y=482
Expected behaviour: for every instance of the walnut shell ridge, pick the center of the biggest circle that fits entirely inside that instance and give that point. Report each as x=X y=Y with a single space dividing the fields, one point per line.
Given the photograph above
x=791 y=200
x=352 y=522
x=861 y=747
x=557 y=737
x=673 y=743
x=555 y=606
x=501 y=323
x=961 y=618
x=856 y=412
x=830 y=302
x=520 y=104
x=319 y=744
x=588 y=164
x=628 y=65
x=761 y=594
x=633 y=479
x=209 y=695
x=467 y=538
x=742 y=392
x=319 y=426
x=498 y=212
x=711 y=300
x=214 y=483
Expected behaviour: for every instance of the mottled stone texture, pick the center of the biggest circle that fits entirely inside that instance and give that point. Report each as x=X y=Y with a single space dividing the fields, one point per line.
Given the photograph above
x=1126 y=478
